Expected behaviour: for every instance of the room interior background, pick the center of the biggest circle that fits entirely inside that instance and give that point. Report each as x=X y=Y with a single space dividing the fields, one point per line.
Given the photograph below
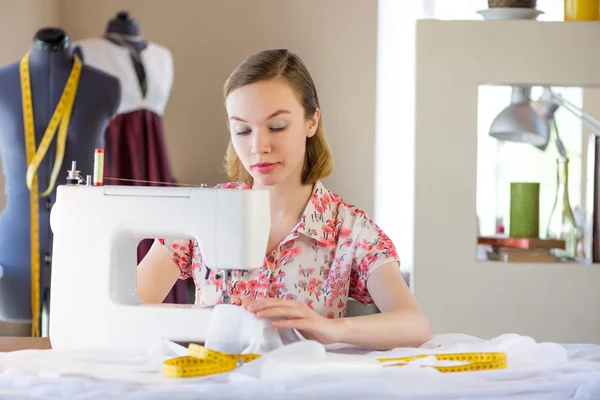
x=337 y=40
x=360 y=54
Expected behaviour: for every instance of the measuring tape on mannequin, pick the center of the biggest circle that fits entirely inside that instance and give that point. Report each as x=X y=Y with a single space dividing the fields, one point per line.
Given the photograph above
x=61 y=116
x=201 y=361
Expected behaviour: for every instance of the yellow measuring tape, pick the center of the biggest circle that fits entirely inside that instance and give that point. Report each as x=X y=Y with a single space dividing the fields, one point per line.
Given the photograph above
x=201 y=361
x=473 y=361
x=62 y=116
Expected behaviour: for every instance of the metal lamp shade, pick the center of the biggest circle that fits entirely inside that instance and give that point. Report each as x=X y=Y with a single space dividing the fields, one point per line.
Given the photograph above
x=521 y=123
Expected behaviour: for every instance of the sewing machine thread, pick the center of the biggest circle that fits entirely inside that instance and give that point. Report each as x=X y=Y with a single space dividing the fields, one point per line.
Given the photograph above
x=98 y=167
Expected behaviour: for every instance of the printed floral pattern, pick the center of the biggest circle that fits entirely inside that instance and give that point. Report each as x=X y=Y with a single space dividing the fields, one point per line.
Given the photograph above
x=327 y=258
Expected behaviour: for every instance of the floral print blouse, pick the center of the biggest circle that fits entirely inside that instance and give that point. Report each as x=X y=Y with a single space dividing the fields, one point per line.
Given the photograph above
x=326 y=258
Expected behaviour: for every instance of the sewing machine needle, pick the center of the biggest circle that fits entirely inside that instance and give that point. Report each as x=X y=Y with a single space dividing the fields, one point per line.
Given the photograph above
x=226 y=298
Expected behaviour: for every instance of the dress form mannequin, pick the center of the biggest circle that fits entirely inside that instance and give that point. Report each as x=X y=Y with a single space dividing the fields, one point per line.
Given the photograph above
x=135 y=149
x=97 y=98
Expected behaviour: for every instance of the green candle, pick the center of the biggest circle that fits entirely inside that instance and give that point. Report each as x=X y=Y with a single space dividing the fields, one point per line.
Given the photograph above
x=525 y=209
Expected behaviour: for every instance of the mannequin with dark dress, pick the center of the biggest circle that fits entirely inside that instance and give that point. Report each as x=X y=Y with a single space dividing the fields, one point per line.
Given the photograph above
x=97 y=97
x=135 y=148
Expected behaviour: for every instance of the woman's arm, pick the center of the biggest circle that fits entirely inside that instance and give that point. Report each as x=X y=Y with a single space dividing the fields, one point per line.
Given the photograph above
x=156 y=274
x=401 y=322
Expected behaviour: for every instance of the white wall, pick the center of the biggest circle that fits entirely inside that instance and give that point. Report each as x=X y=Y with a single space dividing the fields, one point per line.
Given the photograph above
x=336 y=38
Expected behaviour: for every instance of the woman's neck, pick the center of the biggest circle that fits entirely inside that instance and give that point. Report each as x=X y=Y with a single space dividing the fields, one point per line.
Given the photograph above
x=289 y=199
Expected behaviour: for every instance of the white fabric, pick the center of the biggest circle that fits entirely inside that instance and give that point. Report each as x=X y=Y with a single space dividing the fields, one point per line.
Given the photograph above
x=236 y=330
x=115 y=60
x=306 y=369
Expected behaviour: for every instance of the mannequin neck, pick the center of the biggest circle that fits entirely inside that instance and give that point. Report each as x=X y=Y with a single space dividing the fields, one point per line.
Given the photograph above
x=50 y=47
x=123 y=27
x=125 y=30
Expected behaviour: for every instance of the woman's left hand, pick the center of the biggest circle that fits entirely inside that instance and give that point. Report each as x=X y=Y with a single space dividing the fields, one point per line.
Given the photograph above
x=297 y=315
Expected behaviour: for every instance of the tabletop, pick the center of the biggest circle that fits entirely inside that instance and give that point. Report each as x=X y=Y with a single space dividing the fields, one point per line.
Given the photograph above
x=13 y=343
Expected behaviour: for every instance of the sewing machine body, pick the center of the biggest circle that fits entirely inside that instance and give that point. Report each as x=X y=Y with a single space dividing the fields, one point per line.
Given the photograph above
x=93 y=299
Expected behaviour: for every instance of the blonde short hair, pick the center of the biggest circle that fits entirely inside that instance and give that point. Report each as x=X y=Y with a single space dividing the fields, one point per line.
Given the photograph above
x=273 y=64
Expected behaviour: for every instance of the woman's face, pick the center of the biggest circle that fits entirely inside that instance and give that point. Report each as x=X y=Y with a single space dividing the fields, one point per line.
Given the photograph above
x=268 y=131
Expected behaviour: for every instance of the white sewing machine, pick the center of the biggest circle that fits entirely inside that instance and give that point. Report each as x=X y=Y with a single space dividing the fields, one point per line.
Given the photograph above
x=97 y=229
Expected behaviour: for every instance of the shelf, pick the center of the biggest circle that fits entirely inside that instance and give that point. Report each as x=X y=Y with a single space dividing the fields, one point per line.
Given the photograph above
x=458 y=292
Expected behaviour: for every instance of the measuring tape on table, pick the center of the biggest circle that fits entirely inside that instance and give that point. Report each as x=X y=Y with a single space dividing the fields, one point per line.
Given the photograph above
x=201 y=361
x=473 y=361
x=61 y=116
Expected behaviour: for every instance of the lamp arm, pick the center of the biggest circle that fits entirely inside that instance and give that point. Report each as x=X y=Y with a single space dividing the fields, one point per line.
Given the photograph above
x=548 y=96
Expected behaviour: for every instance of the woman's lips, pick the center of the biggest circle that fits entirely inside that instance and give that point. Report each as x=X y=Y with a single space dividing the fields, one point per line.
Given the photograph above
x=264 y=168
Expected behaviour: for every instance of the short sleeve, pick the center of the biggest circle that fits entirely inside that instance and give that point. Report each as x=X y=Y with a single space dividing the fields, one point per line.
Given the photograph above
x=182 y=253
x=373 y=248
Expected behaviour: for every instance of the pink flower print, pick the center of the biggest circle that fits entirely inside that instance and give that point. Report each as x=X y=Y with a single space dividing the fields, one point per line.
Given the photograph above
x=240 y=285
x=309 y=302
x=279 y=289
x=290 y=296
x=340 y=304
x=360 y=286
x=331 y=242
x=330 y=315
x=347 y=242
x=317 y=203
x=363 y=244
x=314 y=286
x=363 y=267
x=310 y=271
x=345 y=233
x=251 y=285
x=302 y=284
x=291 y=252
x=301 y=271
x=328 y=229
x=280 y=275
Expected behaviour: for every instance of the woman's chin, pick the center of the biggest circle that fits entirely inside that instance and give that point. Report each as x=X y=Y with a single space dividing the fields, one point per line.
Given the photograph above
x=267 y=180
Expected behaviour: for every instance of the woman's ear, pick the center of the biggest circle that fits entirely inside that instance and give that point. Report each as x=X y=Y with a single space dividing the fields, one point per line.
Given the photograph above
x=313 y=123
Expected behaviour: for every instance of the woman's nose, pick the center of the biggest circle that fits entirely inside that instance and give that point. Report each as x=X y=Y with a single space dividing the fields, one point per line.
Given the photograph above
x=261 y=142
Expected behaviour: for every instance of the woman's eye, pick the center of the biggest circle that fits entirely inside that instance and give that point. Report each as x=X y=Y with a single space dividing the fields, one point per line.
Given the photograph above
x=241 y=131
x=277 y=128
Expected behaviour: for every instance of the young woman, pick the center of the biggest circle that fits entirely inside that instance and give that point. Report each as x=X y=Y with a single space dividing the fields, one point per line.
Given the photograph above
x=321 y=249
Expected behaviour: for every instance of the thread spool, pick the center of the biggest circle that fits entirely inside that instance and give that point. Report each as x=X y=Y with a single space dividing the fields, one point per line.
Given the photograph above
x=98 y=167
